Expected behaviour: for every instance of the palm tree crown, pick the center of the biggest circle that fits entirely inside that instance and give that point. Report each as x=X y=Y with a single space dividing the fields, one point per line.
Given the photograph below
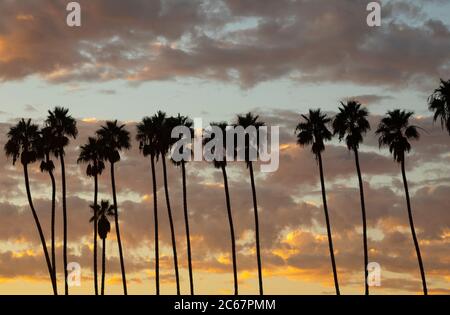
x=63 y=126
x=245 y=121
x=351 y=123
x=314 y=131
x=395 y=132
x=101 y=212
x=114 y=138
x=46 y=147
x=439 y=103
x=147 y=136
x=22 y=143
x=92 y=154
x=179 y=121
x=218 y=163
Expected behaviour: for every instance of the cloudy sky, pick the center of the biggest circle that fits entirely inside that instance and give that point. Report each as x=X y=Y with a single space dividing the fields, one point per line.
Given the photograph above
x=214 y=59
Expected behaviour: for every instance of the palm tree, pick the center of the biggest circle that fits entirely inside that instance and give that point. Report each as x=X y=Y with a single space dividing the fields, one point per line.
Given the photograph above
x=351 y=123
x=312 y=130
x=245 y=121
x=92 y=154
x=62 y=126
x=22 y=144
x=115 y=138
x=164 y=142
x=100 y=217
x=439 y=103
x=47 y=147
x=222 y=165
x=186 y=122
x=147 y=132
x=395 y=131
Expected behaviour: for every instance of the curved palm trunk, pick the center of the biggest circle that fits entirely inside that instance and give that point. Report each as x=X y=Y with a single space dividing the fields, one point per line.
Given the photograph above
x=363 y=210
x=186 y=222
x=63 y=177
x=155 y=214
x=95 y=233
x=38 y=225
x=413 y=231
x=255 y=207
x=230 y=221
x=116 y=221
x=172 y=229
x=327 y=219
x=53 y=247
x=103 y=265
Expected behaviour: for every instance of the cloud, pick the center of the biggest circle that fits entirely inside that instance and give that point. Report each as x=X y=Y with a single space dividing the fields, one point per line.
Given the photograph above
x=30 y=108
x=370 y=99
x=293 y=238
x=231 y=41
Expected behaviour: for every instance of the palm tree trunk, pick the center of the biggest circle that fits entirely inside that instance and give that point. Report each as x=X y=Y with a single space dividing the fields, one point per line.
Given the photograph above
x=116 y=221
x=155 y=214
x=255 y=207
x=95 y=233
x=413 y=231
x=52 y=177
x=103 y=265
x=186 y=222
x=363 y=210
x=327 y=219
x=172 y=229
x=41 y=234
x=63 y=176
x=230 y=221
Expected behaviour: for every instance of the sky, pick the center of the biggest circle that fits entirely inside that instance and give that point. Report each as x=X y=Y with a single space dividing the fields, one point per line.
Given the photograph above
x=213 y=60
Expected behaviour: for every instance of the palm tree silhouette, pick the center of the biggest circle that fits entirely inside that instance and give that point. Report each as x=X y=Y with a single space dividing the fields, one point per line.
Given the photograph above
x=92 y=154
x=147 y=136
x=47 y=147
x=62 y=127
x=184 y=121
x=351 y=123
x=439 y=103
x=100 y=218
x=115 y=138
x=312 y=130
x=164 y=143
x=394 y=132
x=245 y=121
x=23 y=139
x=222 y=164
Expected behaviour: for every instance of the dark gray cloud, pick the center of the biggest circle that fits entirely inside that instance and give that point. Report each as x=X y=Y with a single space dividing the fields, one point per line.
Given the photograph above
x=246 y=42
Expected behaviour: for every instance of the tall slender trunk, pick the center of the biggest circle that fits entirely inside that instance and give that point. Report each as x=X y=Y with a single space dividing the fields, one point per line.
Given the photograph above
x=172 y=229
x=363 y=210
x=413 y=231
x=327 y=220
x=63 y=176
x=41 y=234
x=258 y=251
x=155 y=214
x=230 y=221
x=53 y=247
x=103 y=265
x=95 y=233
x=116 y=221
x=186 y=222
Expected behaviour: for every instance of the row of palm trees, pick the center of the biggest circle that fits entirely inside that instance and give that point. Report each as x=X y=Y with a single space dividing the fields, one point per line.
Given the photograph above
x=29 y=143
